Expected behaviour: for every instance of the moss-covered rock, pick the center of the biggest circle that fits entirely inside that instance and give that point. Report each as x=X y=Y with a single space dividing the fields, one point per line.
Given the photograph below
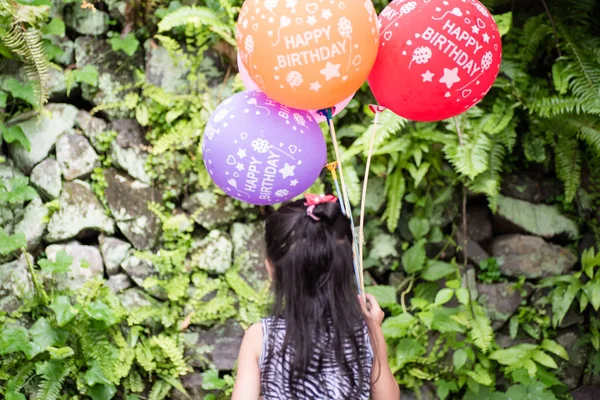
x=86 y=21
x=87 y=264
x=115 y=74
x=114 y=251
x=75 y=156
x=128 y=149
x=91 y=127
x=46 y=178
x=15 y=283
x=210 y=210
x=80 y=214
x=128 y=202
x=213 y=253
x=42 y=132
x=249 y=252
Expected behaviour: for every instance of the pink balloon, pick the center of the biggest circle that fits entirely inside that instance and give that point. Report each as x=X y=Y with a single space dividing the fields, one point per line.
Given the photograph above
x=250 y=85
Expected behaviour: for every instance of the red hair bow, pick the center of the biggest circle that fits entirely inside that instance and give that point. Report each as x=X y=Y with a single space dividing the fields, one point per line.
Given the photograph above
x=314 y=199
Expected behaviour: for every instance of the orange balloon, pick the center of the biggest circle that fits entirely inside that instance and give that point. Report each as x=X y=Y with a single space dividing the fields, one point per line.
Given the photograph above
x=308 y=54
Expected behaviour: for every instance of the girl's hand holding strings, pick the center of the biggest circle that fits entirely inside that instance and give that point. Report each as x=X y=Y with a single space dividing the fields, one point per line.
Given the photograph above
x=371 y=309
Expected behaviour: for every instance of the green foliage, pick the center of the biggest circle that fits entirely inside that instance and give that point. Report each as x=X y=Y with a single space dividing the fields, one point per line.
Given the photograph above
x=11 y=243
x=128 y=44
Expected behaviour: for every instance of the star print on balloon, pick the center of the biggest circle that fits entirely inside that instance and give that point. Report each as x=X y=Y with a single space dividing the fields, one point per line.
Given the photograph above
x=436 y=58
x=309 y=54
x=261 y=152
x=314 y=87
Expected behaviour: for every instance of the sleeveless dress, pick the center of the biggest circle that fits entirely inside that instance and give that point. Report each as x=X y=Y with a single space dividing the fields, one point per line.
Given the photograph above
x=324 y=379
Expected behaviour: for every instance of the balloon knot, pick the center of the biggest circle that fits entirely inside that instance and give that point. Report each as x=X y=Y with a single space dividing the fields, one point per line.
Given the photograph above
x=327 y=113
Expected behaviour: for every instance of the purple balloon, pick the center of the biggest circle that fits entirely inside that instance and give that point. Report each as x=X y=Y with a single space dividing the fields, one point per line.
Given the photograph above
x=260 y=151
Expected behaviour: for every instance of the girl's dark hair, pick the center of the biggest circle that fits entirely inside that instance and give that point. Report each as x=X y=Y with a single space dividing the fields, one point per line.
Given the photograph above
x=315 y=290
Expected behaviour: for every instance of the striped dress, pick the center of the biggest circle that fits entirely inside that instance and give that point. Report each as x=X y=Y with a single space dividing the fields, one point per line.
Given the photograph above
x=324 y=379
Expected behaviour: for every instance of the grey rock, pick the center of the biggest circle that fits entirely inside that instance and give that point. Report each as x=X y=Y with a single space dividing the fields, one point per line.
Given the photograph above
x=505 y=341
x=531 y=257
x=57 y=84
x=572 y=318
x=502 y=301
x=572 y=370
x=66 y=45
x=42 y=131
x=117 y=9
x=530 y=186
x=80 y=214
x=75 y=156
x=474 y=252
x=115 y=72
x=127 y=149
x=9 y=216
x=33 y=224
x=46 y=178
x=92 y=127
x=249 y=252
x=192 y=383
x=138 y=270
x=516 y=216
x=165 y=72
x=213 y=253
x=85 y=21
x=383 y=252
x=87 y=264
x=210 y=210
x=128 y=202
x=113 y=252
x=220 y=345
x=426 y=393
x=15 y=284
x=586 y=392
x=479 y=224
x=133 y=298
x=119 y=282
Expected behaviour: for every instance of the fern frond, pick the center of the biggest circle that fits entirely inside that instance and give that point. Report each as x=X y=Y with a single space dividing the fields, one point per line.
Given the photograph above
x=241 y=287
x=481 y=329
x=19 y=377
x=568 y=163
x=27 y=43
x=535 y=32
x=471 y=158
x=220 y=308
x=395 y=189
x=557 y=105
x=144 y=357
x=160 y=390
x=53 y=377
x=197 y=16
x=172 y=350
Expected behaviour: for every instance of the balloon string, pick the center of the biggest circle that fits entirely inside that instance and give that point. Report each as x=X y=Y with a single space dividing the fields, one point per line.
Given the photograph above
x=361 y=226
x=344 y=192
x=355 y=254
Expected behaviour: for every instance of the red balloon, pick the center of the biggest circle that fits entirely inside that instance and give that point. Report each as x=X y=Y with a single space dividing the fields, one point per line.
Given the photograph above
x=436 y=58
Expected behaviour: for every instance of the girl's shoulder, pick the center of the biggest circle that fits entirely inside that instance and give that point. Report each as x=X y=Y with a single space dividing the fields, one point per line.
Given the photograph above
x=253 y=339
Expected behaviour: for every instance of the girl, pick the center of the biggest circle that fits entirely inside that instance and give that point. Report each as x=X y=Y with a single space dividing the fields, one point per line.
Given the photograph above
x=321 y=342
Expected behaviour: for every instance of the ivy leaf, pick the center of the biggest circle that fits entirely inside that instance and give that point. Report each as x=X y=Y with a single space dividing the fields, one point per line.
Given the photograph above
x=102 y=392
x=88 y=75
x=385 y=295
x=396 y=327
x=19 y=192
x=14 y=339
x=418 y=227
x=24 y=92
x=592 y=290
x=459 y=358
x=413 y=259
x=437 y=270
x=42 y=336
x=212 y=381
x=142 y=115
x=408 y=350
x=443 y=296
x=94 y=375
x=61 y=263
x=542 y=358
x=444 y=388
x=55 y=27
x=10 y=243
x=60 y=353
x=99 y=311
x=504 y=22
x=462 y=295
x=3 y=97
x=63 y=309
x=555 y=348
x=129 y=44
